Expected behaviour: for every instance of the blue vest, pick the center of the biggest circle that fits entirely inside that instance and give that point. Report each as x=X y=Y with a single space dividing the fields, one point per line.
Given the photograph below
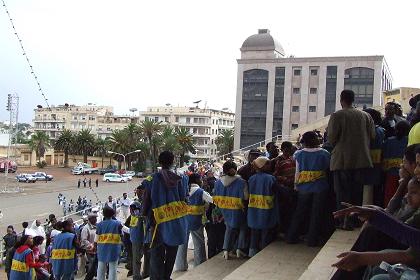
x=136 y=230
x=196 y=210
x=63 y=254
x=312 y=170
x=262 y=207
x=393 y=153
x=20 y=270
x=109 y=240
x=230 y=201
x=169 y=211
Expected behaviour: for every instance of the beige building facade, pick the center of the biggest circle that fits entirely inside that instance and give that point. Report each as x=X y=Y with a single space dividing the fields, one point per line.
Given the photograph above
x=276 y=94
x=402 y=96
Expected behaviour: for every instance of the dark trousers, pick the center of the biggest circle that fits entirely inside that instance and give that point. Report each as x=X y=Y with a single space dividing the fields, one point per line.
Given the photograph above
x=146 y=261
x=92 y=268
x=215 y=237
x=162 y=260
x=313 y=205
x=286 y=198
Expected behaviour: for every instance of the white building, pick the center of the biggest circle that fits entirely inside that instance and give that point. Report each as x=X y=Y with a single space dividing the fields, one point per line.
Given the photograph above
x=276 y=94
x=204 y=124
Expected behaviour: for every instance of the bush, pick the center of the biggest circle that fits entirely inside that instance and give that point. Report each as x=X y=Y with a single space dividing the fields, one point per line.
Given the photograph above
x=41 y=164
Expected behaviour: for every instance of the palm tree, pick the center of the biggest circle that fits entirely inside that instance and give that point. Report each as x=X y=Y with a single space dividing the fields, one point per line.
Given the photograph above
x=118 y=142
x=84 y=143
x=168 y=140
x=39 y=142
x=101 y=148
x=224 y=142
x=151 y=130
x=185 y=141
x=65 y=143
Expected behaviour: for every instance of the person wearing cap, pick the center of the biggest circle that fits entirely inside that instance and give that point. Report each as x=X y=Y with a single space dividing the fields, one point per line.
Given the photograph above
x=246 y=171
x=262 y=209
x=23 y=263
x=136 y=238
x=63 y=254
x=312 y=166
x=87 y=243
x=230 y=194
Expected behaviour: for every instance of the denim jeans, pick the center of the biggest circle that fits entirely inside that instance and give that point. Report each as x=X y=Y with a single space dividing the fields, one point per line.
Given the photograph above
x=67 y=276
x=259 y=240
x=162 y=259
x=230 y=238
x=137 y=255
x=112 y=270
x=181 y=263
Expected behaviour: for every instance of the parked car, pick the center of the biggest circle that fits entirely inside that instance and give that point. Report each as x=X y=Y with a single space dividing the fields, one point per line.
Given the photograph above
x=83 y=168
x=42 y=176
x=129 y=177
x=27 y=178
x=109 y=169
x=140 y=174
x=10 y=165
x=113 y=177
x=130 y=173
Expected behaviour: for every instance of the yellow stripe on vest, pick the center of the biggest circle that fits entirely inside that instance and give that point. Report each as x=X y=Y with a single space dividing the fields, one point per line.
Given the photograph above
x=19 y=266
x=310 y=176
x=196 y=209
x=261 y=201
x=133 y=221
x=228 y=202
x=63 y=254
x=392 y=163
x=170 y=211
x=109 y=238
x=376 y=156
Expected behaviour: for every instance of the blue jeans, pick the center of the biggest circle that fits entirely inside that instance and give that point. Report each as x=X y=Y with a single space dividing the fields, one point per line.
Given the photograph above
x=259 y=240
x=181 y=263
x=67 y=276
x=230 y=238
x=162 y=259
x=112 y=275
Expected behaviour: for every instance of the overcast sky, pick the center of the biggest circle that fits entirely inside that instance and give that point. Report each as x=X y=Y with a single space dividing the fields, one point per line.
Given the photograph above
x=147 y=53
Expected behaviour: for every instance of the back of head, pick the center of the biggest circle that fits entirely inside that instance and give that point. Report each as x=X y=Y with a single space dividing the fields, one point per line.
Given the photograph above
x=410 y=153
x=310 y=139
x=228 y=165
x=347 y=97
x=286 y=145
x=166 y=159
x=194 y=178
x=402 y=128
x=25 y=224
x=67 y=224
x=376 y=115
x=108 y=212
x=269 y=145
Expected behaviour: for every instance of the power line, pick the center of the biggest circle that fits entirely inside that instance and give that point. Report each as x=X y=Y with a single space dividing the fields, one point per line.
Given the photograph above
x=26 y=56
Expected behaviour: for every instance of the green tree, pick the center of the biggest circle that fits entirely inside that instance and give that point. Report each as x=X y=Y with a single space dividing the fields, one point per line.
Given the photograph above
x=84 y=143
x=65 y=143
x=186 y=143
x=151 y=130
x=224 y=142
x=39 y=142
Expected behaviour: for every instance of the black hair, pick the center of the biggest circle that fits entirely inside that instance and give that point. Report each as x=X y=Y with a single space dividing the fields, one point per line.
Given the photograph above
x=269 y=144
x=286 y=145
x=402 y=128
x=25 y=224
x=51 y=216
x=194 y=178
x=228 y=165
x=10 y=226
x=166 y=158
x=310 y=139
x=58 y=225
x=376 y=115
x=347 y=96
x=410 y=153
x=38 y=240
x=413 y=101
x=124 y=193
x=108 y=212
x=21 y=241
x=67 y=223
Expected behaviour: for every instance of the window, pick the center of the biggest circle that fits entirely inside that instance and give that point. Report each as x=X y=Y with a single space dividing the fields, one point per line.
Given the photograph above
x=312 y=108
x=295 y=108
x=196 y=120
x=313 y=90
x=156 y=119
x=212 y=131
x=25 y=157
x=213 y=121
x=297 y=72
x=314 y=72
x=296 y=90
x=176 y=119
x=167 y=119
x=187 y=120
x=295 y=125
x=195 y=130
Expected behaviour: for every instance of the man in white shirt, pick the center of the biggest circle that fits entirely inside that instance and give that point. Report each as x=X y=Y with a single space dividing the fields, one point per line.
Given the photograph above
x=87 y=240
x=125 y=206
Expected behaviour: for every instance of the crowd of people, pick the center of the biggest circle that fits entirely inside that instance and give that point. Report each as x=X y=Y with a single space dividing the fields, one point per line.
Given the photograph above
x=292 y=193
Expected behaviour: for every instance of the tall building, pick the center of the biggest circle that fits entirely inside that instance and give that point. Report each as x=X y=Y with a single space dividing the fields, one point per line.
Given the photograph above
x=99 y=119
x=276 y=94
x=204 y=124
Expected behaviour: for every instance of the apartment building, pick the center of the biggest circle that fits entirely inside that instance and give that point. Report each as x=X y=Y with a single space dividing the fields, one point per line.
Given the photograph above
x=204 y=124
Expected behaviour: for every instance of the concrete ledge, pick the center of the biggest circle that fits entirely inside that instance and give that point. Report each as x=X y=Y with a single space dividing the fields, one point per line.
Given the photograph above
x=320 y=268
x=277 y=261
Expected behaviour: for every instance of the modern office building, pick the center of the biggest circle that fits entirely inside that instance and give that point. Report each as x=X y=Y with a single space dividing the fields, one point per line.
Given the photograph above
x=204 y=124
x=99 y=119
x=276 y=93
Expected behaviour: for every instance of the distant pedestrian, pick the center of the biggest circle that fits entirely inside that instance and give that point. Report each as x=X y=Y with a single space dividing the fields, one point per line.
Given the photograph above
x=90 y=182
x=78 y=184
x=97 y=182
x=84 y=182
x=46 y=179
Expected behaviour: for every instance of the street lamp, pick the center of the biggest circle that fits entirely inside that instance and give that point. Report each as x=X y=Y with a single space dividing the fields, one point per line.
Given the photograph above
x=124 y=155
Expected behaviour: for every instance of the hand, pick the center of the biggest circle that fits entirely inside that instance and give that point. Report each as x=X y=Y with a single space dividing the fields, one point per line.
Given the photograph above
x=349 y=261
x=404 y=173
x=364 y=212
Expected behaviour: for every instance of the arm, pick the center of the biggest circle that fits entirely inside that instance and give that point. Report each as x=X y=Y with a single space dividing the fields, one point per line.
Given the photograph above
x=246 y=193
x=30 y=261
x=146 y=202
x=333 y=130
x=395 y=202
x=371 y=127
x=207 y=197
x=84 y=238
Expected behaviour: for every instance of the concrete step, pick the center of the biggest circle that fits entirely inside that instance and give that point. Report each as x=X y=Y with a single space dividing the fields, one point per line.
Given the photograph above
x=278 y=260
x=320 y=268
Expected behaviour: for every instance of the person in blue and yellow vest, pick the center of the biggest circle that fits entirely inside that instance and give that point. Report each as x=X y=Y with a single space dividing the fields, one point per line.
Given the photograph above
x=230 y=193
x=197 y=200
x=23 y=264
x=262 y=208
x=373 y=190
x=136 y=237
x=165 y=201
x=63 y=254
x=312 y=166
x=393 y=152
x=108 y=244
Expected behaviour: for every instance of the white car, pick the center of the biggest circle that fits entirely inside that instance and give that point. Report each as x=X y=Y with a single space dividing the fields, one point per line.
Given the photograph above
x=130 y=173
x=113 y=177
x=128 y=176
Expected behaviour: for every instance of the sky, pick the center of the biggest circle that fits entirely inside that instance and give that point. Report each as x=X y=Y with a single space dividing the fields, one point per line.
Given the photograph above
x=134 y=54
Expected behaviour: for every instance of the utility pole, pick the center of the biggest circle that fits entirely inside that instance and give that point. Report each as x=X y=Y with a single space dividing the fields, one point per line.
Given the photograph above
x=12 y=107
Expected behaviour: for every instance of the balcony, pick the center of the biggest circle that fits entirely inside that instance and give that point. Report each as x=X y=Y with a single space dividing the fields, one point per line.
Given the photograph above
x=38 y=120
x=48 y=129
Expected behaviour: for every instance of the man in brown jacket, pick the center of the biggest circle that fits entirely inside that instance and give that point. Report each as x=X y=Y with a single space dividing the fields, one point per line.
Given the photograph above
x=350 y=132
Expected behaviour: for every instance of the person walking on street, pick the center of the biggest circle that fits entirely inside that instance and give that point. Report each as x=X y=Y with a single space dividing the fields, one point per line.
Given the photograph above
x=125 y=206
x=84 y=182
x=90 y=182
x=63 y=254
x=97 y=182
x=78 y=184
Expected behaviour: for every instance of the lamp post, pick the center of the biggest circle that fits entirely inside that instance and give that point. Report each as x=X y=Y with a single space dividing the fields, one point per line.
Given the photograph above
x=124 y=155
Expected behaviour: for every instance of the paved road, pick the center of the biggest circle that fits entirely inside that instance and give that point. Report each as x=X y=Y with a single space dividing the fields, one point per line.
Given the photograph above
x=39 y=199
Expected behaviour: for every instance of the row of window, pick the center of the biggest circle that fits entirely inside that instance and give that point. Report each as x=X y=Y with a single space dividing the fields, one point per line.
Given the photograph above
x=193 y=120
x=296 y=108
x=298 y=71
x=311 y=91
